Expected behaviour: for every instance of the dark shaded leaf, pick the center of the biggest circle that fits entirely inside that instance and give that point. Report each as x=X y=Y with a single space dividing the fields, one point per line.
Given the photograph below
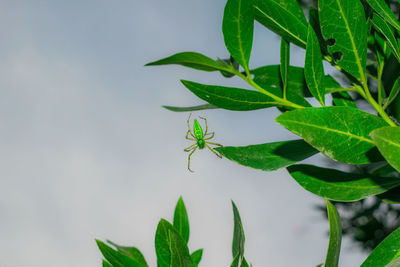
x=340 y=186
x=238 y=234
x=193 y=108
x=343 y=99
x=388 y=33
x=384 y=10
x=269 y=156
x=387 y=139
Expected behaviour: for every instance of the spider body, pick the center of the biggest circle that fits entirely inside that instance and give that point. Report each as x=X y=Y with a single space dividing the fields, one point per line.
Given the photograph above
x=200 y=138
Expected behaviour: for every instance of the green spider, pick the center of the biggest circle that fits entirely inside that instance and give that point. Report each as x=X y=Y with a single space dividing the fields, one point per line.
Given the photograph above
x=200 y=138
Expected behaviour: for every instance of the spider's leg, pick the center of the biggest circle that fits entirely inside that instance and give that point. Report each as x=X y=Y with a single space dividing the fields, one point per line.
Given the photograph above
x=205 y=120
x=215 y=144
x=190 y=147
x=187 y=136
x=190 y=131
x=211 y=136
x=189 y=158
x=213 y=151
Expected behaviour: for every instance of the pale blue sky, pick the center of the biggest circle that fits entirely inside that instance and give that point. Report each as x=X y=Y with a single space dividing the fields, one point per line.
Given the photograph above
x=87 y=152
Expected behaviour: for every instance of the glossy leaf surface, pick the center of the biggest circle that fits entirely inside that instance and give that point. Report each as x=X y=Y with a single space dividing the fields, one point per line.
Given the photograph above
x=387 y=139
x=386 y=252
x=285 y=62
x=281 y=21
x=181 y=220
x=340 y=186
x=238 y=233
x=162 y=243
x=192 y=60
x=335 y=236
x=313 y=68
x=340 y=133
x=343 y=22
x=269 y=156
x=229 y=97
x=238 y=27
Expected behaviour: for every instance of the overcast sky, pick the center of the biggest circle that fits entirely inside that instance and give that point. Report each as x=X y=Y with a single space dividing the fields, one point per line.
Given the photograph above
x=86 y=151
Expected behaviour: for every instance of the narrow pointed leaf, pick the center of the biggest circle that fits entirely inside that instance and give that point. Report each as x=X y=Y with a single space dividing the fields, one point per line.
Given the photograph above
x=384 y=10
x=131 y=252
x=386 y=252
x=196 y=256
x=181 y=220
x=192 y=60
x=343 y=99
x=244 y=263
x=180 y=256
x=350 y=42
x=387 y=139
x=192 y=108
x=238 y=234
x=285 y=61
x=313 y=68
x=269 y=156
x=116 y=258
x=388 y=33
x=229 y=97
x=162 y=243
x=340 y=133
x=393 y=93
x=238 y=27
x=340 y=186
x=281 y=21
x=314 y=22
x=106 y=264
x=335 y=236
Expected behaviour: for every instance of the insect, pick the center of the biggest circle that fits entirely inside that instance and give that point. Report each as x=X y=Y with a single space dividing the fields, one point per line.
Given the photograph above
x=201 y=138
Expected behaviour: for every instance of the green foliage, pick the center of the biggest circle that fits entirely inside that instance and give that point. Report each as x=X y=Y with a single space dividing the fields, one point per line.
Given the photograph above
x=335 y=236
x=361 y=41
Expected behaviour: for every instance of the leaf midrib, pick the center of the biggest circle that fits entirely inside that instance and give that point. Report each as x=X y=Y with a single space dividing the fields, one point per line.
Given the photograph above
x=358 y=61
x=331 y=130
x=283 y=28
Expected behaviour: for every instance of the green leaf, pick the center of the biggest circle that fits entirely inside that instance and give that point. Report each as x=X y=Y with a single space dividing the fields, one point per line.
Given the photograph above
x=269 y=156
x=238 y=27
x=196 y=257
x=386 y=252
x=340 y=133
x=230 y=98
x=180 y=256
x=269 y=78
x=314 y=22
x=106 y=264
x=281 y=21
x=343 y=99
x=393 y=93
x=293 y=7
x=192 y=60
x=388 y=33
x=181 y=220
x=235 y=262
x=351 y=39
x=384 y=10
x=193 y=108
x=162 y=243
x=131 y=252
x=335 y=236
x=238 y=234
x=244 y=263
x=387 y=139
x=285 y=62
x=116 y=258
x=394 y=263
x=340 y=186
x=313 y=68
